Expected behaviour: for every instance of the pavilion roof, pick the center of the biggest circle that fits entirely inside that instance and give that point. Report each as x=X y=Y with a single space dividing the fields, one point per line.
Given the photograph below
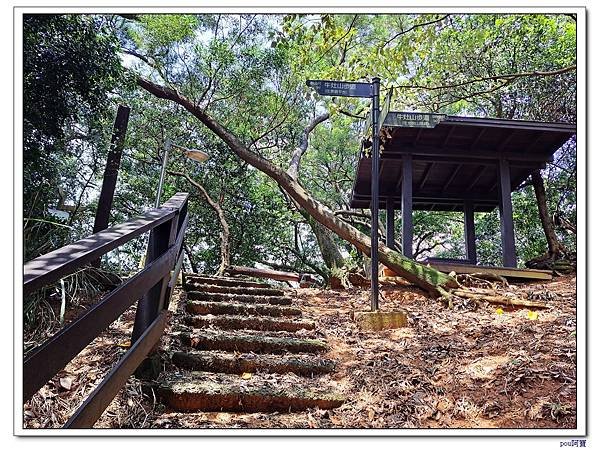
x=457 y=159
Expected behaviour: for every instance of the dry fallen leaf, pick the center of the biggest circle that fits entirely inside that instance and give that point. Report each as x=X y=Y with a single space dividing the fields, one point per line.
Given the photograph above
x=371 y=414
x=66 y=383
x=125 y=344
x=246 y=376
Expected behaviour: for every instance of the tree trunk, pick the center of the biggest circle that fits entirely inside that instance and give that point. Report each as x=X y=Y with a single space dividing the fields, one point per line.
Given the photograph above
x=225 y=255
x=555 y=247
x=427 y=278
x=193 y=264
x=332 y=257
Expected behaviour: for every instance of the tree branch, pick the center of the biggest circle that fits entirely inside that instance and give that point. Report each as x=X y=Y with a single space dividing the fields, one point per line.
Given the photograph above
x=225 y=255
x=418 y=25
x=299 y=151
x=510 y=76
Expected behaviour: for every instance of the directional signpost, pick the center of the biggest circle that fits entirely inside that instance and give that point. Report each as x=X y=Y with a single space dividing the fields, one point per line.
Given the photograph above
x=365 y=90
x=412 y=119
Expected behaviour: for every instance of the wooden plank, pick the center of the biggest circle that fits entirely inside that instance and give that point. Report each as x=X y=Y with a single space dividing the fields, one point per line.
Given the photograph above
x=507 y=272
x=45 y=361
x=93 y=406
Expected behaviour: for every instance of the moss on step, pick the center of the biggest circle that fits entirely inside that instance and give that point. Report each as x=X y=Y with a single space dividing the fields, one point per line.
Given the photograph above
x=229 y=363
x=240 y=308
x=244 y=342
x=234 y=289
x=232 y=322
x=199 y=393
x=223 y=281
x=238 y=298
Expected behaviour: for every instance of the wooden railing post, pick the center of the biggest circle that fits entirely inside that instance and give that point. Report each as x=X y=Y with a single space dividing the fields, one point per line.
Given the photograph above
x=149 y=306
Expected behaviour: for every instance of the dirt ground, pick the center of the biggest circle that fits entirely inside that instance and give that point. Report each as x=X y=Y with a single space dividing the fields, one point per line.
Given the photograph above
x=459 y=367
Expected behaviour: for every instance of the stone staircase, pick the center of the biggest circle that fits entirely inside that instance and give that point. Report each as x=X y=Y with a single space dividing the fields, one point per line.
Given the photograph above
x=246 y=349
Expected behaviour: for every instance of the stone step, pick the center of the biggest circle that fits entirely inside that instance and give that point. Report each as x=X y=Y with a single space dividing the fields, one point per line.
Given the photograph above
x=233 y=290
x=223 y=281
x=234 y=341
x=215 y=361
x=238 y=298
x=215 y=308
x=233 y=322
x=200 y=391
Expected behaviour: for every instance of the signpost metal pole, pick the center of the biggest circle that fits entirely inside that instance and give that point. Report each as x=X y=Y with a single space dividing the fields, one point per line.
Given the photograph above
x=364 y=90
x=375 y=198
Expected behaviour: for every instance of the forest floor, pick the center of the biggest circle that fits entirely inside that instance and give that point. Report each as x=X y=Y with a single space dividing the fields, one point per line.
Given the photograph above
x=449 y=368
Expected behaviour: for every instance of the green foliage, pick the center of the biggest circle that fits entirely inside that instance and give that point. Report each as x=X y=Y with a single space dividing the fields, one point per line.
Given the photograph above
x=70 y=64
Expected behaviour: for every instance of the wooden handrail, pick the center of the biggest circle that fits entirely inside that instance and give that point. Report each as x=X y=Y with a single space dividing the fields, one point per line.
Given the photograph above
x=45 y=361
x=52 y=266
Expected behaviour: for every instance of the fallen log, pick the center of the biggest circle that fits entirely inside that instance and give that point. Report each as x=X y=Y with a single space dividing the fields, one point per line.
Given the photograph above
x=270 y=274
x=497 y=299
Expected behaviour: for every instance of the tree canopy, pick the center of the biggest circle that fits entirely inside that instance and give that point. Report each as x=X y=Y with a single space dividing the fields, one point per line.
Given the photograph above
x=247 y=73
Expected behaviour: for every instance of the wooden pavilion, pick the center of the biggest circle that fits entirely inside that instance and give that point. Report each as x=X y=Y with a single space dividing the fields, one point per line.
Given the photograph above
x=450 y=163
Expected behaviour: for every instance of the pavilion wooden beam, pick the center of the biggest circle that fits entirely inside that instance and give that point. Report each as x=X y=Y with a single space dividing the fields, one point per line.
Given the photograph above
x=470 y=232
x=535 y=141
x=507 y=228
x=505 y=141
x=389 y=223
x=477 y=139
x=452 y=176
x=426 y=175
x=447 y=197
x=448 y=136
x=450 y=159
x=480 y=171
x=407 y=206
x=450 y=152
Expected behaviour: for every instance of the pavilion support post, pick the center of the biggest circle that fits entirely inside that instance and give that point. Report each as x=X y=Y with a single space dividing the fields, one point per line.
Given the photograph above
x=470 y=232
x=375 y=197
x=407 y=206
x=389 y=224
x=507 y=227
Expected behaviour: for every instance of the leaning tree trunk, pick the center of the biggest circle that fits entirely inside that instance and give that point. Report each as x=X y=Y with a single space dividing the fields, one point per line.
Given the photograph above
x=555 y=247
x=330 y=252
x=427 y=278
x=225 y=255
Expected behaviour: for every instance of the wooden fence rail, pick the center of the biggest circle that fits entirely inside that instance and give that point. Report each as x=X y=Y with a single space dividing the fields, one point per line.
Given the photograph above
x=151 y=287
